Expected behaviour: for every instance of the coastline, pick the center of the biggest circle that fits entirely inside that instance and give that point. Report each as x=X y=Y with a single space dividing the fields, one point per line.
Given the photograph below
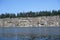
x=31 y=21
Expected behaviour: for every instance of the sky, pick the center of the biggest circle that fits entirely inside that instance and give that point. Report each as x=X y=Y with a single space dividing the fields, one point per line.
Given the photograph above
x=16 y=6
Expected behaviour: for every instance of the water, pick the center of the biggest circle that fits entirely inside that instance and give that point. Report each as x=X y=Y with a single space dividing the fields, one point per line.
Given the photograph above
x=30 y=33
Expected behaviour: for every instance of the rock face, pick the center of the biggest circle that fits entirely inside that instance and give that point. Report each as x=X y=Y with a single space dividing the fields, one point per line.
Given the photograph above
x=30 y=21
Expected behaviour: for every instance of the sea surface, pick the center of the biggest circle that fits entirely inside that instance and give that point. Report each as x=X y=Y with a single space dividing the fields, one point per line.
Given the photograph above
x=29 y=33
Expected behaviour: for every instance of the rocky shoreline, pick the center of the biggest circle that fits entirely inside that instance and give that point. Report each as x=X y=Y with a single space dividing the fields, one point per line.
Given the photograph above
x=31 y=21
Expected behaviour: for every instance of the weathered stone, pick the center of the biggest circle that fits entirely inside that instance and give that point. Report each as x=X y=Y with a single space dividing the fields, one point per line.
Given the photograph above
x=30 y=21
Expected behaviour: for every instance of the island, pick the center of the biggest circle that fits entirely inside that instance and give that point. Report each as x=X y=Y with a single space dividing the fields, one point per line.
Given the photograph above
x=31 y=19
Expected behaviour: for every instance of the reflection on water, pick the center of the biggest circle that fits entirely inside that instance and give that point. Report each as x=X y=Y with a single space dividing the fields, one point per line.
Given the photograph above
x=30 y=33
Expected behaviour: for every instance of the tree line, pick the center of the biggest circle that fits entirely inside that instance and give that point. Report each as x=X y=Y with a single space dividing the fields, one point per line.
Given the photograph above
x=30 y=14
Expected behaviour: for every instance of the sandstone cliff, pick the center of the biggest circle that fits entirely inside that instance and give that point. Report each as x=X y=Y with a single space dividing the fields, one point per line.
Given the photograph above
x=30 y=21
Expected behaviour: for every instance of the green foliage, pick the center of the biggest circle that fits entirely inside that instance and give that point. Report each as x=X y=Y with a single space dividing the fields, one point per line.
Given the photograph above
x=30 y=14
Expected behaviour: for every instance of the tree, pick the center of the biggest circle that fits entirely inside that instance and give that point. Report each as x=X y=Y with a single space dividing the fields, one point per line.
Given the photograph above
x=31 y=14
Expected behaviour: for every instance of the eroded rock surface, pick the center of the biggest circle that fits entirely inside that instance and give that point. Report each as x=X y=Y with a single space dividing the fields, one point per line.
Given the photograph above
x=30 y=21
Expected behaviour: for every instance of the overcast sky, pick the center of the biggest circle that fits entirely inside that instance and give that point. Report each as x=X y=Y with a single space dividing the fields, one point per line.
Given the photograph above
x=15 y=6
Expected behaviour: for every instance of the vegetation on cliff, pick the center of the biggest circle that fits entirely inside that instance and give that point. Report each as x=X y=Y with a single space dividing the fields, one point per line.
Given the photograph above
x=30 y=14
